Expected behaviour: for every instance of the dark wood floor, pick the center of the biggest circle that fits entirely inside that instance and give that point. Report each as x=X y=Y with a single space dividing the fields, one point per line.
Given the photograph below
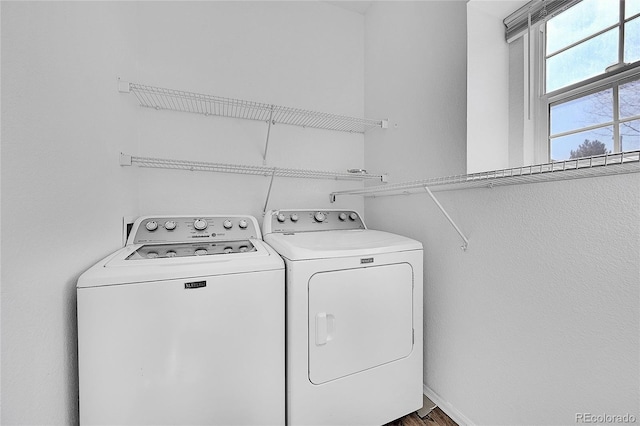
x=435 y=418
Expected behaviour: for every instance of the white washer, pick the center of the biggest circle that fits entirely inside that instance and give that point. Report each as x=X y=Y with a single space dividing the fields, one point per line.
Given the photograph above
x=354 y=318
x=184 y=325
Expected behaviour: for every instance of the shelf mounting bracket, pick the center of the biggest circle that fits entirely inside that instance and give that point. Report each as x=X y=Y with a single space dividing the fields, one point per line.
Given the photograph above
x=266 y=145
x=465 y=240
x=123 y=86
x=266 y=202
x=125 y=160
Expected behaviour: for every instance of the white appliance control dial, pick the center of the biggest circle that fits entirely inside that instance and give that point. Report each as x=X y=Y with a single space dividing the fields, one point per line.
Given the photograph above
x=298 y=220
x=320 y=216
x=200 y=224
x=201 y=252
x=167 y=229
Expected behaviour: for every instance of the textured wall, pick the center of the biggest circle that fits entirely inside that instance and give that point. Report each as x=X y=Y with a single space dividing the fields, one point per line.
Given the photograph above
x=540 y=318
x=63 y=193
x=418 y=82
x=64 y=123
x=542 y=310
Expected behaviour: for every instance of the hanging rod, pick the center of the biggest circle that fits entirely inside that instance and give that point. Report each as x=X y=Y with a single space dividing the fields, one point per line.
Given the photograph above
x=598 y=165
x=178 y=100
x=129 y=160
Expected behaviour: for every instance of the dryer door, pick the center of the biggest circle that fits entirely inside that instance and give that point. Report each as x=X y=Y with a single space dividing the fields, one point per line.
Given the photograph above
x=359 y=319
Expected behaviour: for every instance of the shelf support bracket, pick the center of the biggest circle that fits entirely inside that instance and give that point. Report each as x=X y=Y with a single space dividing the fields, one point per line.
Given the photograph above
x=123 y=86
x=435 y=200
x=266 y=145
x=125 y=160
x=266 y=202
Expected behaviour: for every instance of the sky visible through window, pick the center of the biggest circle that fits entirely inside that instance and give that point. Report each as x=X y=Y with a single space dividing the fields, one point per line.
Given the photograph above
x=582 y=60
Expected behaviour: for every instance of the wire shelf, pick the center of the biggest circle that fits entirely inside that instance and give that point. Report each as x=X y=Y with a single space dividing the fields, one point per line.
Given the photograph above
x=600 y=165
x=178 y=100
x=161 y=163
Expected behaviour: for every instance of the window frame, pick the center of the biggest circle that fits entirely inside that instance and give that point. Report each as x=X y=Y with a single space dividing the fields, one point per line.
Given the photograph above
x=614 y=76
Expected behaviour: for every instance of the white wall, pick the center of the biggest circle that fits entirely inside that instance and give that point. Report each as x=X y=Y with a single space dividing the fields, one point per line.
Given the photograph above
x=540 y=318
x=299 y=54
x=63 y=194
x=487 y=81
x=415 y=67
x=64 y=125
x=541 y=314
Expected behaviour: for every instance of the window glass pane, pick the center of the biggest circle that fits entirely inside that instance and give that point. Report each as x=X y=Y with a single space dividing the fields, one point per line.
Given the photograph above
x=630 y=135
x=580 y=21
x=585 y=60
x=589 y=110
x=583 y=144
x=630 y=99
x=632 y=7
x=632 y=41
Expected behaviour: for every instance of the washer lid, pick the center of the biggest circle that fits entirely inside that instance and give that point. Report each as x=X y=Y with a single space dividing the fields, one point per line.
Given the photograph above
x=119 y=268
x=330 y=244
x=157 y=251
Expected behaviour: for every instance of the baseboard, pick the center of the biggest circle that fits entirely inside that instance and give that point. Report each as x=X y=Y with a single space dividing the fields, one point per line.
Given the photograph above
x=449 y=410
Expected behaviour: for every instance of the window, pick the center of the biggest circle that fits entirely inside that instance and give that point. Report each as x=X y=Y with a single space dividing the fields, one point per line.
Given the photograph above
x=591 y=79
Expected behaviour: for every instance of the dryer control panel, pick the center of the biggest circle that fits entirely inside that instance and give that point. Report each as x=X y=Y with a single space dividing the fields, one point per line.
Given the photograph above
x=175 y=229
x=285 y=221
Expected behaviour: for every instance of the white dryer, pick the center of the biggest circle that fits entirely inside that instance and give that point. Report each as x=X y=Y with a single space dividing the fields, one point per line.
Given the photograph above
x=354 y=318
x=184 y=326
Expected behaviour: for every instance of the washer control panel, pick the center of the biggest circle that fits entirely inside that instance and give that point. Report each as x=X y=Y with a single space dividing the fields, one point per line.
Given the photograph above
x=311 y=220
x=174 y=229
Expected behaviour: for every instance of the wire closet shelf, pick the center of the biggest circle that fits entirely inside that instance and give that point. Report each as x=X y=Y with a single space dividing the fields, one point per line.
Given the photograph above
x=599 y=165
x=162 y=163
x=178 y=100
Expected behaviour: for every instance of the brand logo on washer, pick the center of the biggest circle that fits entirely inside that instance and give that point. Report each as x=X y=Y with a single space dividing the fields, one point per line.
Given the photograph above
x=367 y=260
x=195 y=284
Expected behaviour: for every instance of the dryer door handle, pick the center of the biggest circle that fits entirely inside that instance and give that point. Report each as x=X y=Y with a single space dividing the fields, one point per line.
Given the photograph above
x=325 y=328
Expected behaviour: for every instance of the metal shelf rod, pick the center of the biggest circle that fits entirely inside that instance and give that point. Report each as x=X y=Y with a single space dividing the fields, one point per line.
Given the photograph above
x=129 y=160
x=599 y=165
x=178 y=100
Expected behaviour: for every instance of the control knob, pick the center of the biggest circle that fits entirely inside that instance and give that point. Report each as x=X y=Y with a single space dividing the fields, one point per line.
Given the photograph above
x=227 y=224
x=294 y=217
x=201 y=252
x=243 y=224
x=200 y=224
x=170 y=225
x=281 y=217
x=319 y=216
x=152 y=225
x=353 y=216
x=342 y=216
